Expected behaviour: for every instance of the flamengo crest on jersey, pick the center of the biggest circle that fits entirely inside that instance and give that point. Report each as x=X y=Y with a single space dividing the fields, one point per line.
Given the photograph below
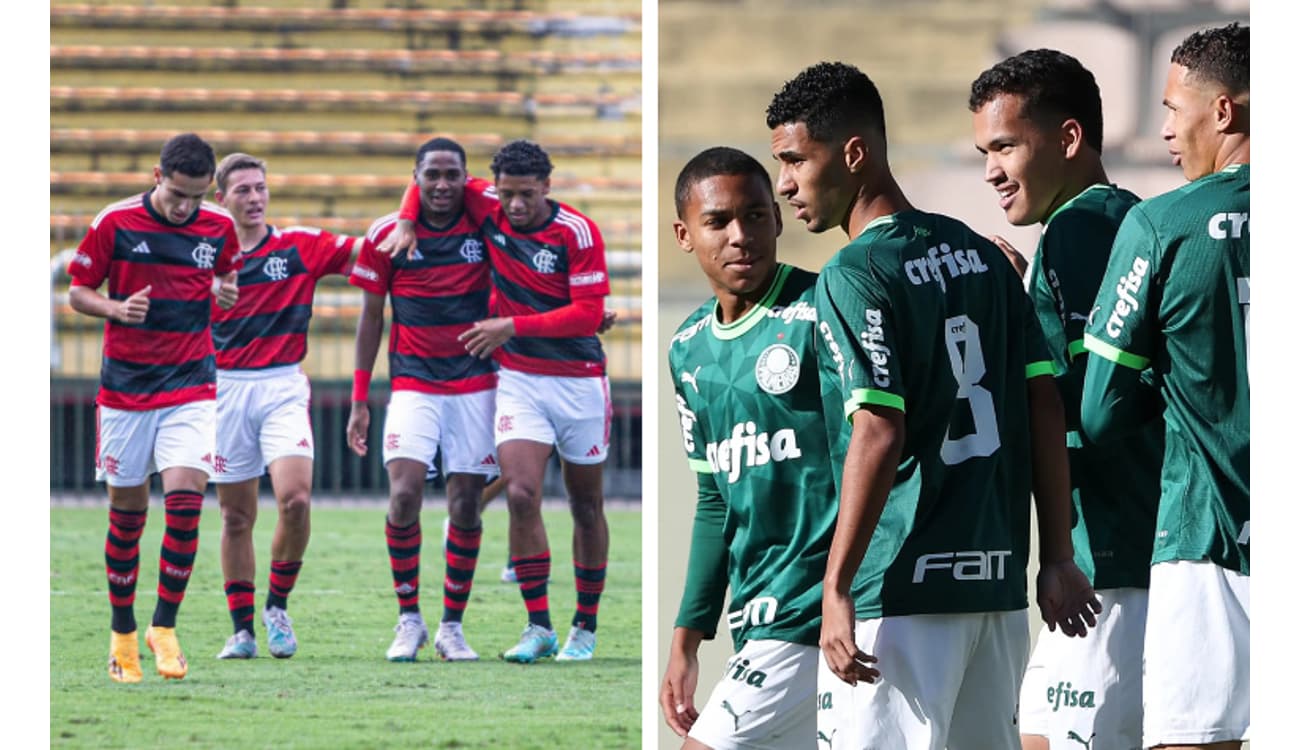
x=168 y=359
x=267 y=327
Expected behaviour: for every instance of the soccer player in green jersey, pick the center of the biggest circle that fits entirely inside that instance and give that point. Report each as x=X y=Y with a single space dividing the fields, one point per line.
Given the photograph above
x=1170 y=333
x=750 y=404
x=942 y=397
x=1038 y=122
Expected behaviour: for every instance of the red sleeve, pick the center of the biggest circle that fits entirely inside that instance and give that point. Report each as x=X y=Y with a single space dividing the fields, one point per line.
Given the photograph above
x=410 y=209
x=89 y=266
x=588 y=276
x=580 y=318
x=373 y=270
x=480 y=199
x=231 y=259
x=329 y=253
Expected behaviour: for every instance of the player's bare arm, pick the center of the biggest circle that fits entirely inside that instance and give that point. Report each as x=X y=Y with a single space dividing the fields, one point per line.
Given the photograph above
x=874 y=450
x=370 y=328
x=89 y=301
x=677 y=694
x=607 y=321
x=485 y=336
x=1065 y=597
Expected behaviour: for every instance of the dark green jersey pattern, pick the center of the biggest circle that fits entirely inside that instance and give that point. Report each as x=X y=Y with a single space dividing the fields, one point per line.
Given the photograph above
x=1115 y=485
x=750 y=405
x=1176 y=299
x=922 y=314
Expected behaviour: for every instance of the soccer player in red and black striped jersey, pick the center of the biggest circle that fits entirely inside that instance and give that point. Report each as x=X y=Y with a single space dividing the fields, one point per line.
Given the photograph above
x=442 y=397
x=549 y=283
x=263 y=398
x=164 y=253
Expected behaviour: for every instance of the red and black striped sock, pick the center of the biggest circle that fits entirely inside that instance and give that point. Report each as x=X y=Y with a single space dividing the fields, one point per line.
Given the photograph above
x=462 y=558
x=239 y=598
x=284 y=574
x=590 y=583
x=122 y=564
x=532 y=574
x=404 y=558
x=180 y=542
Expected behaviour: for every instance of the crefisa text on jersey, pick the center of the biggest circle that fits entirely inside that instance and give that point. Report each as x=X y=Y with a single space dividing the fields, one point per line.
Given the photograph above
x=943 y=258
x=748 y=447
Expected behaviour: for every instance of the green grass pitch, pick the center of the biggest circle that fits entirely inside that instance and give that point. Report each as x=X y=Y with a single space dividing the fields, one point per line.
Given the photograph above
x=339 y=691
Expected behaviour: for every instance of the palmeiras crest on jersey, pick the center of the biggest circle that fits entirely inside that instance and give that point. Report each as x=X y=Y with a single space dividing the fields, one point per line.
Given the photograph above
x=544 y=261
x=276 y=269
x=204 y=254
x=777 y=369
x=471 y=250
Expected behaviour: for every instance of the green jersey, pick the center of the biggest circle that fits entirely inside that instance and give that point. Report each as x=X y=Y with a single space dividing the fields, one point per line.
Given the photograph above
x=921 y=314
x=1115 y=486
x=1176 y=300
x=750 y=406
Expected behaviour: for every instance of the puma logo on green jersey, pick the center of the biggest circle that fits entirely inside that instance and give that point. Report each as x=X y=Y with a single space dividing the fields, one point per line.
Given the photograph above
x=749 y=447
x=1070 y=735
x=830 y=741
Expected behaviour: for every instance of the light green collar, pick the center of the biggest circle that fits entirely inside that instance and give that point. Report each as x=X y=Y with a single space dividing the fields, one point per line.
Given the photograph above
x=738 y=327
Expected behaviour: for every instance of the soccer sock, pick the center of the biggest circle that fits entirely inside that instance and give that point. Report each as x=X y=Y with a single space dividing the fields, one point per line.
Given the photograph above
x=404 y=558
x=284 y=574
x=533 y=573
x=590 y=583
x=122 y=563
x=180 y=542
x=239 y=598
x=462 y=557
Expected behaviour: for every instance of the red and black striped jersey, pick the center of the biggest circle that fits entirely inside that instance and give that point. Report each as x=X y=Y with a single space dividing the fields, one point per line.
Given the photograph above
x=438 y=291
x=268 y=326
x=169 y=358
x=537 y=271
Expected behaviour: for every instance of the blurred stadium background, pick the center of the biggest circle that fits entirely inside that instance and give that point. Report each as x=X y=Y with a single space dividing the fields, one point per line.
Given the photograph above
x=337 y=95
x=720 y=62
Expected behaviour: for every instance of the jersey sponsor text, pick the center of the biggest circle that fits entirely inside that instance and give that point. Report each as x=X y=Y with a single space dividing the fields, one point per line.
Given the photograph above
x=748 y=447
x=970 y=565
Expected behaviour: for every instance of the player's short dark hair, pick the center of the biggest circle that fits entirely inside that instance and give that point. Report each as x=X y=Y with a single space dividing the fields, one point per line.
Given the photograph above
x=711 y=162
x=1052 y=84
x=439 y=144
x=522 y=158
x=1221 y=55
x=235 y=162
x=831 y=99
x=188 y=154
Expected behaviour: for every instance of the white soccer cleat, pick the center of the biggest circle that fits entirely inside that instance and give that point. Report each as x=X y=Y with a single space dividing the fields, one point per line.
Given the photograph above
x=280 y=639
x=411 y=636
x=241 y=645
x=450 y=643
x=536 y=643
x=508 y=575
x=580 y=646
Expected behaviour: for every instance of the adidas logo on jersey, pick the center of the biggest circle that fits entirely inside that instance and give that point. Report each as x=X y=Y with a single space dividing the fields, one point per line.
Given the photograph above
x=488 y=461
x=303 y=443
x=595 y=451
x=748 y=447
x=142 y=248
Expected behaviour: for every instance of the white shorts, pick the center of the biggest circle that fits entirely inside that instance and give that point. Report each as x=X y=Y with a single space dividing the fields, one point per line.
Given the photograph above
x=131 y=445
x=766 y=699
x=418 y=423
x=1197 y=684
x=573 y=414
x=1090 y=686
x=262 y=415
x=946 y=681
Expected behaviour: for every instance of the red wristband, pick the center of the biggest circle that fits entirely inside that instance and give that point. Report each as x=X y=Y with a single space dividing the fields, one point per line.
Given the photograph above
x=360 y=385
